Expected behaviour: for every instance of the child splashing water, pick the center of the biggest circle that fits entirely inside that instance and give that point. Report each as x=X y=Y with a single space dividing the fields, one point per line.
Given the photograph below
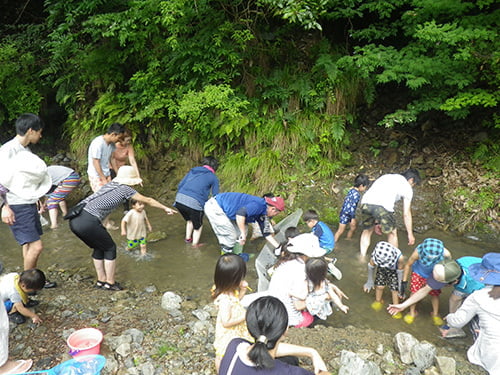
x=134 y=225
x=229 y=289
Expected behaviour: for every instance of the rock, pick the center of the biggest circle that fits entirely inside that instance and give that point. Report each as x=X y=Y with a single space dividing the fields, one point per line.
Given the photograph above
x=446 y=365
x=136 y=335
x=352 y=364
x=201 y=314
x=380 y=349
x=412 y=371
x=171 y=301
x=423 y=355
x=404 y=342
x=431 y=371
x=123 y=349
x=150 y=289
x=147 y=369
x=156 y=236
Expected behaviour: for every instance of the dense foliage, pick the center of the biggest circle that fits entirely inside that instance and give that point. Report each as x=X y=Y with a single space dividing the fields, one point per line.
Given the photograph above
x=265 y=84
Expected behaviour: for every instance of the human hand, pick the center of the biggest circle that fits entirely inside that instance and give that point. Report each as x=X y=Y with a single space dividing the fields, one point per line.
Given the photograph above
x=411 y=239
x=169 y=211
x=339 y=292
x=8 y=216
x=150 y=228
x=344 y=308
x=124 y=233
x=318 y=363
x=368 y=286
x=394 y=309
x=242 y=239
x=36 y=319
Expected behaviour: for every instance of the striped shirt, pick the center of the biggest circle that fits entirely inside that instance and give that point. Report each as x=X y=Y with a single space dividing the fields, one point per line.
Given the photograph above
x=110 y=196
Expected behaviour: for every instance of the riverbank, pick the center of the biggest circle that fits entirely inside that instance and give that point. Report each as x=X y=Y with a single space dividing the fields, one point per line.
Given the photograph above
x=142 y=338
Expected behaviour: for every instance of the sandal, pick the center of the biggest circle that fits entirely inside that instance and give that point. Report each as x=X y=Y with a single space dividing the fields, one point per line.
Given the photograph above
x=112 y=287
x=99 y=284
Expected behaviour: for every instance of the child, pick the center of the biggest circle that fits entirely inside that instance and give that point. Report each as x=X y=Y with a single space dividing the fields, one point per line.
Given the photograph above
x=390 y=263
x=422 y=261
x=229 y=289
x=348 y=211
x=326 y=239
x=320 y=291
x=134 y=226
x=15 y=289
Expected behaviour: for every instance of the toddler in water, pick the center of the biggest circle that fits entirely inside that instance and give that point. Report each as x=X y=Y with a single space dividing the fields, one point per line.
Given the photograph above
x=390 y=263
x=229 y=289
x=320 y=292
x=134 y=225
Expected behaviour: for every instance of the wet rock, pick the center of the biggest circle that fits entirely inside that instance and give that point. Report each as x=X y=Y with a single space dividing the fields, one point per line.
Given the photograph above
x=171 y=301
x=150 y=289
x=423 y=355
x=446 y=365
x=412 y=371
x=432 y=371
x=404 y=342
x=156 y=236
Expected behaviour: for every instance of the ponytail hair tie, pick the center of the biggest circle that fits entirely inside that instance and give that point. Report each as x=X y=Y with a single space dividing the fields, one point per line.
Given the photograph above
x=262 y=339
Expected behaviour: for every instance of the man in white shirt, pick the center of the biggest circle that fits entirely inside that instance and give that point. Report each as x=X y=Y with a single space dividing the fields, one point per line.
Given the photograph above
x=377 y=207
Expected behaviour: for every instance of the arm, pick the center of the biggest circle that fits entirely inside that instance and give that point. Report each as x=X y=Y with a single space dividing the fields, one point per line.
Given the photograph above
x=131 y=159
x=27 y=312
x=407 y=270
x=414 y=298
x=124 y=227
x=153 y=203
x=97 y=165
x=336 y=300
x=150 y=228
x=465 y=313
x=241 y=223
x=8 y=216
x=285 y=349
x=369 y=285
x=408 y=221
x=225 y=313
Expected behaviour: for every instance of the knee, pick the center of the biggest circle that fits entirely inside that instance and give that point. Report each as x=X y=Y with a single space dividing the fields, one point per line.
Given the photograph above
x=110 y=254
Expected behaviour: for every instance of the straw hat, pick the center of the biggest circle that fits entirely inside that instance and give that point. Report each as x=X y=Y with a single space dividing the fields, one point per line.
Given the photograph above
x=307 y=244
x=127 y=176
x=488 y=271
x=25 y=175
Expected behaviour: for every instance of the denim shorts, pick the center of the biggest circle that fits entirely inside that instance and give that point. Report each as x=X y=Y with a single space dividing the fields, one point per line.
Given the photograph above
x=27 y=227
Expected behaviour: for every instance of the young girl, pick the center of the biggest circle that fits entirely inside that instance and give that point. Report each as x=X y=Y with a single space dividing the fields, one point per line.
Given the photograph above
x=320 y=291
x=134 y=225
x=229 y=289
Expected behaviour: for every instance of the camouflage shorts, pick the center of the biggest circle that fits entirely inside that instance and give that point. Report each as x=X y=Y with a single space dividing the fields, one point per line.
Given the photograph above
x=372 y=214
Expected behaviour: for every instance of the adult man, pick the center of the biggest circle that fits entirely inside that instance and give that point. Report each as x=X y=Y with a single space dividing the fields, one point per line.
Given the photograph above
x=229 y=214
x=17 y=209
x=99 y=155
x=377 y=207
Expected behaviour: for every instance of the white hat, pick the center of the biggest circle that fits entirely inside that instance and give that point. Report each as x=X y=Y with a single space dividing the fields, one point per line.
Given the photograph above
x=25 y=175
x=127 y=175
x=307 y=244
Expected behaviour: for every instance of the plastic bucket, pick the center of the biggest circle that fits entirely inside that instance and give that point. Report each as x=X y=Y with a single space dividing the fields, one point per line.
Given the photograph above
x=84 y=342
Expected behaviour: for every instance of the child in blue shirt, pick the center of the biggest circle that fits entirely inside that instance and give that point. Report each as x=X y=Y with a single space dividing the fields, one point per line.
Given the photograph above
x=348 y=211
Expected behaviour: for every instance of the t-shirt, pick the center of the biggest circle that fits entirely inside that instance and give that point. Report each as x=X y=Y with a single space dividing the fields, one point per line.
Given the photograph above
x=110 y=196
x=58 y=173
x=325 y=236
x=136 y=224
x=236 y=362
x=387 y=190
x=8 y=290
x=11 y=148
x=101 y=150
x=465 y=284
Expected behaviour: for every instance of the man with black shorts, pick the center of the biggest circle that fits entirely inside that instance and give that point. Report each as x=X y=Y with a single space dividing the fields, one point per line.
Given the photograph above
x=377 y=207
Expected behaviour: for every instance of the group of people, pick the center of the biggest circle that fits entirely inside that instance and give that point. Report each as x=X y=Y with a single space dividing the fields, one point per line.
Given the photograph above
x=293 y=287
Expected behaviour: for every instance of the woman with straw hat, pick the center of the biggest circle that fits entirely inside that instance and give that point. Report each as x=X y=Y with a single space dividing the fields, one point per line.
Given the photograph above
x=88 y=224
x=484 y=303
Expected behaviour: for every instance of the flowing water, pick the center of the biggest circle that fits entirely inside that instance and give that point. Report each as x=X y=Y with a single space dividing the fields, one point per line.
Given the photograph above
x=175 y=266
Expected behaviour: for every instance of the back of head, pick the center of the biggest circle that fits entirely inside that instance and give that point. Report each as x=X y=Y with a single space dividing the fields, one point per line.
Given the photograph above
x=33 y=279
x=291 y=232
x=310 y=215
x=412 y=173
x=267 y=322
x=116 y=128
x=316 y=270
x=28 y=121
x=211 y=162
x=360 y=180
x=229 y=272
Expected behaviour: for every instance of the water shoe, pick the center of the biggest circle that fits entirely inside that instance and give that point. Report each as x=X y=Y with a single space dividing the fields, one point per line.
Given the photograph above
x=409 y=319
x=377 y=306
x=397 y=316
x=334 y=271
x=437 y=321
x=112 y=287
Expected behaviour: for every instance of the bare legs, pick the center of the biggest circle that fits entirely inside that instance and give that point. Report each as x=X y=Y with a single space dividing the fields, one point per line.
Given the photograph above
x=31 y=253
x=105 y=270
x=193 y=234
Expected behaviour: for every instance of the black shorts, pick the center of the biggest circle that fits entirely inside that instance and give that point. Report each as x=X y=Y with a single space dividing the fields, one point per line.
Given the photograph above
x=190 y=214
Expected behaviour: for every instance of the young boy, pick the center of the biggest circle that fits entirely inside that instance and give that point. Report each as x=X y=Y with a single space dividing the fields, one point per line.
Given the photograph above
x=134 y=225
x=390 y=263
x=15 y=289
x=348 y=211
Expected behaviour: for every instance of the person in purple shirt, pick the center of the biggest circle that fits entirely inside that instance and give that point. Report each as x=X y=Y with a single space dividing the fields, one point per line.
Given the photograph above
x=192 y=194
x=229 y=214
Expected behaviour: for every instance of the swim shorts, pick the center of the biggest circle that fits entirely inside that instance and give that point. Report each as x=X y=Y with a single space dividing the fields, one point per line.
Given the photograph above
x=372 y=214
x=27 y=227
x=418 y=282
x=131 y=244
x=387 y=277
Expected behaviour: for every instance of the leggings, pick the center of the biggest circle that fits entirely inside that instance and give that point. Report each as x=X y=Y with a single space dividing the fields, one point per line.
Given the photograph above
x=90 y=230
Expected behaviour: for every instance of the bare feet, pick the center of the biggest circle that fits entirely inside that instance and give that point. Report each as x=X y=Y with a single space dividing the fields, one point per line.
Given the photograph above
x=197 y=245
x=16 y=367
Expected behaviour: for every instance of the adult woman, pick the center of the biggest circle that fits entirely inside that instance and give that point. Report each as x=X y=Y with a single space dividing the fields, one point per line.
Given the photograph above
x=64 y=180
x=88 y=225
x=123 y=154
x=484 y=303
x=267 y=322
x=192 y=194
x=288 y=282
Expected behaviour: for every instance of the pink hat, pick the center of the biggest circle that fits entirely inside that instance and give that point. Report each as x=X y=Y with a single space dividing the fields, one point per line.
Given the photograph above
x=277 y=202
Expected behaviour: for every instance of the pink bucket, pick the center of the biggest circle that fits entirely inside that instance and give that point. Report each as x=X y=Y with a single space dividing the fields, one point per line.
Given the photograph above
x=84 y=342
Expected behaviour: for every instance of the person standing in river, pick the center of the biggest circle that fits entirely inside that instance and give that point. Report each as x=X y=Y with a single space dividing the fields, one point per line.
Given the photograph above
x=377 y=207
x=89 y=228
x=192 y=194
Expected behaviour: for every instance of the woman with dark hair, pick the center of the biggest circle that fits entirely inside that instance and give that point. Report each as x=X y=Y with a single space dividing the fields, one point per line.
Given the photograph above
x=267 y=322
x=192 y=193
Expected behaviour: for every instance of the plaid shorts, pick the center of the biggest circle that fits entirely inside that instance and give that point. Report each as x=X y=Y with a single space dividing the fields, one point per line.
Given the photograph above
x=387 y=277
x=418 y=282
x=372 y=214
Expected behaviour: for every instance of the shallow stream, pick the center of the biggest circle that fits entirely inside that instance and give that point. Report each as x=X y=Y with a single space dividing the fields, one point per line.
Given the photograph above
x=175 y=266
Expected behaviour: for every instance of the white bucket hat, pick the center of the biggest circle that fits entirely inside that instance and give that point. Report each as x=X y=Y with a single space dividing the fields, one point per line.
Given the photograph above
x=127 y=176
x=25 y=175
x=307 y=244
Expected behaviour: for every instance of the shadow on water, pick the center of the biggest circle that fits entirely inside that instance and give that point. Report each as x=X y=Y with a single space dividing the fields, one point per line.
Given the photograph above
x=173 y=265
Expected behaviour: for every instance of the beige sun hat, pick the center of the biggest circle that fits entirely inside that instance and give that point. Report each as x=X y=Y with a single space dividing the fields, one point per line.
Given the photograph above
x=25 y=175
x=127 y=176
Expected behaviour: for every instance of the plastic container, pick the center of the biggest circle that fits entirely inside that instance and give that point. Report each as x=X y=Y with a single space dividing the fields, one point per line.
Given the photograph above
x=85 y=341
x=83 y=365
